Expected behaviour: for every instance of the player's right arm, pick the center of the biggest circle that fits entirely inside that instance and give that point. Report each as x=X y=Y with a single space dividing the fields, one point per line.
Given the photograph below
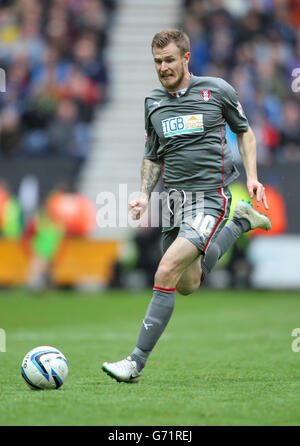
x=150 y=173
x=151 y=168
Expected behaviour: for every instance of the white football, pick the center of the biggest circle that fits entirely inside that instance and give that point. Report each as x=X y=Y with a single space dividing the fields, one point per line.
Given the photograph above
x=44 y=368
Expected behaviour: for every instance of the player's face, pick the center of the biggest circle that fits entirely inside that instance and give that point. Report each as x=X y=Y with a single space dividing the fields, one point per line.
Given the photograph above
x=171 y=67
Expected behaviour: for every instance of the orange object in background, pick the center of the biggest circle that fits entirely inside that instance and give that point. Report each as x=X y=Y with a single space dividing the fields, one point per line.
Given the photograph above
x=14 y=263
x=276 y=213
x=80 y=261
x=73 y=210
x=4 y=197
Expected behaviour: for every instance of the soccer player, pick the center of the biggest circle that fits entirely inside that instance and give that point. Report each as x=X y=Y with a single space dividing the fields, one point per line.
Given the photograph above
x=185 y=122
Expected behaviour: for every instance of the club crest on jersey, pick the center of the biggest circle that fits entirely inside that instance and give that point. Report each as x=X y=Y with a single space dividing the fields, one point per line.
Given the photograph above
x=180 y=125
x=205 y=94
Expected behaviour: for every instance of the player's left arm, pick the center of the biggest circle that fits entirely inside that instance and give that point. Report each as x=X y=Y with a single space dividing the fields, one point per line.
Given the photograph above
x=234 y=115
x=247 y=148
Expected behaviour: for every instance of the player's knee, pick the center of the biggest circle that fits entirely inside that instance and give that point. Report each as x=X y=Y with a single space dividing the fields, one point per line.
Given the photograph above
x=165 y=272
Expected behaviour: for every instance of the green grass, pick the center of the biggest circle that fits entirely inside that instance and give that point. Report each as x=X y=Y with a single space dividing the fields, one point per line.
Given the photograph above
x=225 y=359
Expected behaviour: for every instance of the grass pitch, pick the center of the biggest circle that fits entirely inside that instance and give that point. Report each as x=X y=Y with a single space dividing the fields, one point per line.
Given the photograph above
x=225 y=359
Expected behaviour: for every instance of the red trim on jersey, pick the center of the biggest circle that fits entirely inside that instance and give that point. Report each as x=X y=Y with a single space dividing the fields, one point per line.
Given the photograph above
x=164 y=289
x=222 y=156
x=218 y=221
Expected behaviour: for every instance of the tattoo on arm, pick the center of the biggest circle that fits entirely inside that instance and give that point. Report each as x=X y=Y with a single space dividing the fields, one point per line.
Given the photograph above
x=151 y=171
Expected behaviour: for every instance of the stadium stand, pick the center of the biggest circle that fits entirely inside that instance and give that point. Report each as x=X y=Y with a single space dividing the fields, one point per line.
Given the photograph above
x=53 y=54
x=254 y=45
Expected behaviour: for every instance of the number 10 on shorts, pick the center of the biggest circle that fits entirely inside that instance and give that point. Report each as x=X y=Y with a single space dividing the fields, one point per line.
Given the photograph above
x=204 y=223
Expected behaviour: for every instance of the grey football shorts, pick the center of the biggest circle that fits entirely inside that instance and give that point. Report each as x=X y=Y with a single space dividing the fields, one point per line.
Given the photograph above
x=196 y=216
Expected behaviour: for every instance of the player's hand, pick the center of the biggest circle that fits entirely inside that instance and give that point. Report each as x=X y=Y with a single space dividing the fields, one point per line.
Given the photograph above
x=255 y=188
x=138 y=206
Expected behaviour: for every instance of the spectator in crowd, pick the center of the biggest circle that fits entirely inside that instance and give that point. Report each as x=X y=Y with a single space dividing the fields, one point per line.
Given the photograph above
x=11 y=133
x=66 y=135
x=87 y=58
x=290 y=130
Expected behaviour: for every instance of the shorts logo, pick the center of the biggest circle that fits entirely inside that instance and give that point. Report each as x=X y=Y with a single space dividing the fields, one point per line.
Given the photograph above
x=180 y=125
x=205 y=94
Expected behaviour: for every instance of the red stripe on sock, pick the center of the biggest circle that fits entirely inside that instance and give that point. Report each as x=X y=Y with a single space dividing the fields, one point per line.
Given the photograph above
x=164 y=289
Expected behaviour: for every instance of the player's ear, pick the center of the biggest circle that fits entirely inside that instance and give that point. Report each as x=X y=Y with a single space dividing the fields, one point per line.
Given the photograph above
x=187 y=57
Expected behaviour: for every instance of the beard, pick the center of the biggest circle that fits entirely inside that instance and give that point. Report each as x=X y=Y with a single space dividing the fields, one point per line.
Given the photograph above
x=173 y=81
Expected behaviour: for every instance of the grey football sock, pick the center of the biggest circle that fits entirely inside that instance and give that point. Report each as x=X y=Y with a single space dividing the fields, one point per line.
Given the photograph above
x=227 y=237
x=157 y=317
x=239 y=225
x=140 y=357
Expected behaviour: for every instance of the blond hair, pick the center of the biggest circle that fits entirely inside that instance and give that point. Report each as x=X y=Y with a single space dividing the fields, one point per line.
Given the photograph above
x=163 y=38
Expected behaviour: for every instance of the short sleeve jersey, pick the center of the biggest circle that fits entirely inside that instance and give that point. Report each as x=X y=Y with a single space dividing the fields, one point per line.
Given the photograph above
x=187 y=132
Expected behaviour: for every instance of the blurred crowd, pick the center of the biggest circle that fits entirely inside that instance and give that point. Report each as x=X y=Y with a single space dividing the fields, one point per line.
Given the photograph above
x=255 y=46
x=53 y=54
